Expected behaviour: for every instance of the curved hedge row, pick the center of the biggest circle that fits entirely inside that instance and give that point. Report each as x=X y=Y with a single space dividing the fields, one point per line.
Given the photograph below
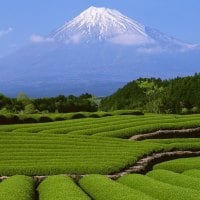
x=17 y=188
x=90 y=145
x=35 y=149
x=115 y=126
x=158 y=189
x=176 y=179
x=31 y=154
x=180 y=165
x=100 y=187
x=41 y=118
x=60 y=188
x=195 y=173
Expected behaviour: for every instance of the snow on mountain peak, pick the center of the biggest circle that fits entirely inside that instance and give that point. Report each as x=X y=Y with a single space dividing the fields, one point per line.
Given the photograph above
x=102 y=24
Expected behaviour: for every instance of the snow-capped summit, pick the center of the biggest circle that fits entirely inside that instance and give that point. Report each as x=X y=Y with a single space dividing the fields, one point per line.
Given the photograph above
x=102 y=24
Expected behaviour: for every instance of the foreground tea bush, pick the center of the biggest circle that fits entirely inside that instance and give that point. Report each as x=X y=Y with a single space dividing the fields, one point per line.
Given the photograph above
x=195 y=173
x=175 y=179
x=60 y=188
x=180 y=165
x=102 y=188
x=157 y=189
x=17 y=188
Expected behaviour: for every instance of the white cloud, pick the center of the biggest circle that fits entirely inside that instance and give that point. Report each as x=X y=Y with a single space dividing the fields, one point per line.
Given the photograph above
x=4 y=32
x=40 y=39
x=150 y=50
x=75 y=39
x=130 y=39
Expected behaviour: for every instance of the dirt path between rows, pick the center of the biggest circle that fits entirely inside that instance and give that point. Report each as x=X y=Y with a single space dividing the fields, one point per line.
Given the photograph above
x=163 y=134
x=146 y=164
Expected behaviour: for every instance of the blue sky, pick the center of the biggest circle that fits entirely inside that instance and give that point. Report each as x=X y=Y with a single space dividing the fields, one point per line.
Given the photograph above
x=22 y=18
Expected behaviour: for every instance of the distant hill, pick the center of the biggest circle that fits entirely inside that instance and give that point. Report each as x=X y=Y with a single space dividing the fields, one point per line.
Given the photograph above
x=179 y=95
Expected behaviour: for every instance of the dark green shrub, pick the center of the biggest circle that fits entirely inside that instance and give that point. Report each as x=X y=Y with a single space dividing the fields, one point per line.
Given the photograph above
x=94 y=116
x=132 y=113
x=106 y=115
x=29 y=120
x=59 y=119
x=78 y=116
x=3 y=119
x=185 y=111
x=195 y=110
x=14 y=119
x=45 y=119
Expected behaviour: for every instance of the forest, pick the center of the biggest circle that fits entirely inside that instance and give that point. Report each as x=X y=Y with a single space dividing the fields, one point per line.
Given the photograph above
x=177 y=96
x=60 y=104
x=180 y=95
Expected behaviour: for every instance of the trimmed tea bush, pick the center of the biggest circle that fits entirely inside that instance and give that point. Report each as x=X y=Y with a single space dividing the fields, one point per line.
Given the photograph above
x=60 y=188
x=17 y=188
x=157 y=189
x=100 y=187
x=175 y=179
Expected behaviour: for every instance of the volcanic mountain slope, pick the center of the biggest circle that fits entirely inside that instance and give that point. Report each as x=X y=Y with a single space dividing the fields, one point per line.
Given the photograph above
x=101 y=24
x=98 y=51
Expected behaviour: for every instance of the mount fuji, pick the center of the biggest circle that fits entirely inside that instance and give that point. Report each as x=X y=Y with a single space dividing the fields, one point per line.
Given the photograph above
x=97 y=52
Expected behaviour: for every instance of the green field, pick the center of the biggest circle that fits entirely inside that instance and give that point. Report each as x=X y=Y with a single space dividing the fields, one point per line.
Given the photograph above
x=96 y=146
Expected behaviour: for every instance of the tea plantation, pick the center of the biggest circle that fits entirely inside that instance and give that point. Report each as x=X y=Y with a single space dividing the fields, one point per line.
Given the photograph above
x=91 y=148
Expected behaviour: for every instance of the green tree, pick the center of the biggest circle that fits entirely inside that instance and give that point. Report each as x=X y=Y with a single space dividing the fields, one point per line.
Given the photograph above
x=29 y=109
x=23 y=98
x=153 y=94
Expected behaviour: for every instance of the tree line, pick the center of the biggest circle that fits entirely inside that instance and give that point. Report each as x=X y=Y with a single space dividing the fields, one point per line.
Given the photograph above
x=60 y=104
x=180 y=95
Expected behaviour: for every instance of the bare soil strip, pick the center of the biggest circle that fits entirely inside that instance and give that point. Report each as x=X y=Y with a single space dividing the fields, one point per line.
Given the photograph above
x=162 y=134
x=146 y=164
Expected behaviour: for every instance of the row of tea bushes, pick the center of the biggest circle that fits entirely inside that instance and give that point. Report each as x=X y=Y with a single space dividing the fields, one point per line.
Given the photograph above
x=156 y=185
x=100 y=187
x=41 y=118
x=114 y=126
x=60 y=188
x=180 y=165
x=176 y=179
x=158 y=189
x=17 y=188
x=35 y=154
